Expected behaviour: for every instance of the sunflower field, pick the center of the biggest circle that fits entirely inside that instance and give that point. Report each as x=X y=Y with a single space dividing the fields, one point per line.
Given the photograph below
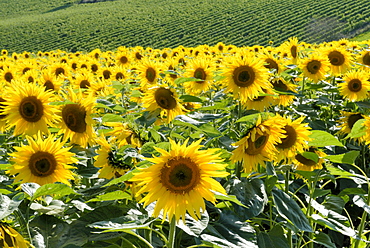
x=205 y=146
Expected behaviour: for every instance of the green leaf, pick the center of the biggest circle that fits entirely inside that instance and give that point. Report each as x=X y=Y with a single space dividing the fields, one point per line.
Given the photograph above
x=251 y=193
x=190 y=98
x=345 y=158
x=323 y=239
x=359 y=201
x=112 y=118
x=252 y=118
x=321 y=138
x=7 y=206
x=231 y=198
x=182 y=80
x=111 y=196
x=290 y=210
x=273 y=239
x=311 y=156
x=334 y=225
x=194 y=227
x=270 y=183
x=358 y=129
x=210 y=130
x=53 y=189
x=123 y=178
x=352 y=191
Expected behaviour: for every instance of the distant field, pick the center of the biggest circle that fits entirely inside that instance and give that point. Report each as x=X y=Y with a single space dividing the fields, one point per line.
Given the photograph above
x=35 y=25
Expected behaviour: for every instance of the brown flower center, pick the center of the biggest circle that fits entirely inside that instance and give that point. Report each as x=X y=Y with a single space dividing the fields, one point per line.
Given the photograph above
x=255 y=148
x=355 y=85
x=336 y=58
x=180 y=175
x=200 y=74
x=290 y=139
x=271 y=64
x=313 y=66
x=150 y=74
x=164 y=98
x=244 y=76
x=352 y=119
x=42 y=164
x=366 y=59
x=31 y=109
x=74 y=117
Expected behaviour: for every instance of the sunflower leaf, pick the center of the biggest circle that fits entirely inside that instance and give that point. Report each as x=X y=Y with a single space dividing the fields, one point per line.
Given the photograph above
x=311 y=156
x=358 y=130
x=111 y=196
x=345 y=158
x=7 y=206
x=189 y=98
x=112 y=118
x=231 y=198
x=189 y=79
x=53 y=189
x=321 y=138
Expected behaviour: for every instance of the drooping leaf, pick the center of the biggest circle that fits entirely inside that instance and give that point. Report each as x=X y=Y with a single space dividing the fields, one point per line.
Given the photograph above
x=323 y=239
x=251 y=193
x=190 y=98
x=345 y=158
x=290 y=210
x=359 y=201
x=231 y=198
x=334 y=225
x=112 y=118
x=321 y=138
x=55 y=189
x=7 y=206
x=358 y=130
x=111 y=196
x=194 y=227
x=273 y=239
x=311 y=156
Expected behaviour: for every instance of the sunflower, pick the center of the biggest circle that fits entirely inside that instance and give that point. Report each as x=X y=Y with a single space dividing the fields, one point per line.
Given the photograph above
x=7 y=74
x=340 y=59
x=123 y=134
x=347 y=121
x=148 y=72
x=355 y=86
x=258 y=145
x=123 y=57
x=28 y=108
x=110 y=160
x=200 y=68
x=164 y=100
x=9 y=237
x=31 y=76
x=60 y=69
x=50 y=81
x=297 y=136
x=315 y=67
x=279 y=84
x=364 y=58
x=77 y=123
x=263 y=102
x=302 y=163
x=291 y=48
x=42 y=161
x=245 y=76
x=271 y=62
x=366 y=124
x=83 y=79
x=179 y=179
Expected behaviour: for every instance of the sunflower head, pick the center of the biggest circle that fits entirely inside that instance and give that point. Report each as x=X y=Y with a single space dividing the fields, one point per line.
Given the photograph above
x=302 y=162
x=42 y=161
x=355 y=86
x=315 y=67
x=9 y=237
x=180 y=179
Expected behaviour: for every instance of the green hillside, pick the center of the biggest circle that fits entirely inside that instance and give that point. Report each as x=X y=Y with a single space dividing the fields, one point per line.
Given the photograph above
x=33 y=25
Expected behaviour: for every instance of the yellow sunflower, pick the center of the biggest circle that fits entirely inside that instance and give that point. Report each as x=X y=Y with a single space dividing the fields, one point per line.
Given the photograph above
x=291 y=48
x=10 y=238
x=364 y=58
x=42 y=161
x=315 y=67
x=164 y=100
x=109 y=160
x=148 y=72
x=7 y=73
x=123 y=134
x=200 y=68
x=50 y=81
x=340 y=59
x=295 y=142
x=366 y=124
x=77 y=123
x=355 y=86
x=279 y=84
x=82 y=79
x=123 y=57
x=179 y=179
x=28 y=108
x=245 y=76
x=262 y=103
x=271 y=61
x=258 y=145
x=302 y=163
x=347 y=121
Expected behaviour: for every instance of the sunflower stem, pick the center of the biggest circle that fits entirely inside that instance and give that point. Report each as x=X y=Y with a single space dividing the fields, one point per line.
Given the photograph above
x=289 y=234
x=302 y=91
x=172 y=233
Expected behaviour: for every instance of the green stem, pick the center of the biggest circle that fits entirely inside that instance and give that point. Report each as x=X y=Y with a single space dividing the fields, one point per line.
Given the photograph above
x=172 y=233
x=302 y=91
x=289 y=234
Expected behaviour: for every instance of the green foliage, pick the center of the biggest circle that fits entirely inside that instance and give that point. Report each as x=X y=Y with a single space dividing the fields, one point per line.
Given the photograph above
x=67 y=25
